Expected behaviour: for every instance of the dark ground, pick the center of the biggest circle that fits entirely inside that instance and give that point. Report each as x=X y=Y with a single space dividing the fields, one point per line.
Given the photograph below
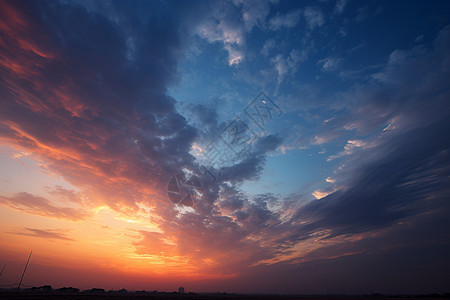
x=166 y=296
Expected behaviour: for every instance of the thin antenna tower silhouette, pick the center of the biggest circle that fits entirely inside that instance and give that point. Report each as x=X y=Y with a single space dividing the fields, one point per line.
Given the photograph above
x=1 y=272
x=20 y=283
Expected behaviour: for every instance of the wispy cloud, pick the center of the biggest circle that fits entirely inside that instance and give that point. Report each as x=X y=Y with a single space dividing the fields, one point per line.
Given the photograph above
x=340 y=6
x=288 y=65
x=352 y=146
x=229 y=23
x=48 y=234
x=329 y=64
x=41 y=206
x=268 y=45
x=288 y=20
x=314 y=17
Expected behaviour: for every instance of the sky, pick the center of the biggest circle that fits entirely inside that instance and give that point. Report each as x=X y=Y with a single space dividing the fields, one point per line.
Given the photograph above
x=237 y=146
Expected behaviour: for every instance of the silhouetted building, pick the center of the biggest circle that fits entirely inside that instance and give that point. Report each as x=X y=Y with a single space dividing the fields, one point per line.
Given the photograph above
x=44 y=288
x=69 y=290
x=94 y=291
x=181 y=290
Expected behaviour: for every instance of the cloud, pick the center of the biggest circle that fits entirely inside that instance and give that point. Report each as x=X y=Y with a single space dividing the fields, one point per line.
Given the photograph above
x=90 y=104
x=226 y=31
x=396 y=172
x=352 y=146
x=234 y=56
x=228 y=24
x=321 y=193
x=330 y=180
x=288 y=20
x=42 y=233
x=367 y=10
x=43 y=207
x=314 y=17
x=254 y=13
x=389 y=189
x=65 y=195
x=84 y=109
x=419 y=38
x=286 y=65
x=329 y=64
x=396 y=181
x=268 y=45
x=340 y=6
x=326 y=137
x=397 y=97
x=252 y=162
x=153 y=243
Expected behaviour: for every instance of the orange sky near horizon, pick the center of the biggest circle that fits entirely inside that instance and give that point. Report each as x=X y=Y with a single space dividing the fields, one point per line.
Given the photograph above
x=105 y=242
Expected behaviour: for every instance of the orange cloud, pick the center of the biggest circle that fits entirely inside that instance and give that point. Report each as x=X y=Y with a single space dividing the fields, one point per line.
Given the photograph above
x=28 y=203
